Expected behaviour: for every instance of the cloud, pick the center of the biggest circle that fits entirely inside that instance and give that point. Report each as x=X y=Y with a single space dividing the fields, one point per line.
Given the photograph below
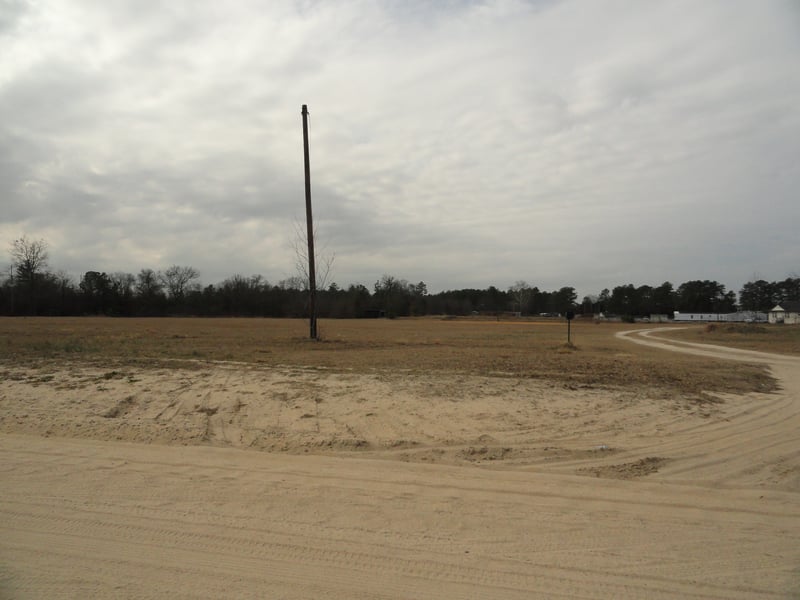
x=466 y=144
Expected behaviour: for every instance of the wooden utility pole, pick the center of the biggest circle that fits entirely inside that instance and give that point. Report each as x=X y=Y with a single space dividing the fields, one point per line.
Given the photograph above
x=12 y=288
x=312 y=277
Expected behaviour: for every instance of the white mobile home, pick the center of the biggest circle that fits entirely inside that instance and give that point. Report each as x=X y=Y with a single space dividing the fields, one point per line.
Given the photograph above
x=786 y=312
x=745 y=316
x=697 y=317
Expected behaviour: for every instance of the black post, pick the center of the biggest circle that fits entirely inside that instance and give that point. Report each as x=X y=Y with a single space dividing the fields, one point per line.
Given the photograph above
x=12 y=290
x=312 y=277
x=570 y=315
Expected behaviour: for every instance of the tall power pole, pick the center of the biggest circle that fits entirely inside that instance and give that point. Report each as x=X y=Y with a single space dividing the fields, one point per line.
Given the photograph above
x=11 y=269
x=312 y=276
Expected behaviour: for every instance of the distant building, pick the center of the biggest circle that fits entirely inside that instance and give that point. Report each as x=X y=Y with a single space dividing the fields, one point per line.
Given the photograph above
x=745 y=316
x=786 y=312
x=607 y=318
x=697 y=317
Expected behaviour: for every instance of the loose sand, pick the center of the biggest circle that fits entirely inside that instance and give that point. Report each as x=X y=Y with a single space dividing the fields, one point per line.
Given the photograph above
x=145 y=483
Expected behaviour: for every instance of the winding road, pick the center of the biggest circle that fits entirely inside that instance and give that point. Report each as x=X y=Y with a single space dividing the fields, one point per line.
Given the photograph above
x=757 y=445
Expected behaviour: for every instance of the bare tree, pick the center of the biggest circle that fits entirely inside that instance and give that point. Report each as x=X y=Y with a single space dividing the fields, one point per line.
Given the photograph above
x=178 y=280
x=322 y=258
x=28 y=267
x=29 y=258
x=148 y=283
x=295 y=282
x=521 y=292
x=123 y=281
x=123 y=284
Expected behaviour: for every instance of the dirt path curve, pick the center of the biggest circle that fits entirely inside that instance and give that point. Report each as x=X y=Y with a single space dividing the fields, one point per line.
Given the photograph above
x=757 y=445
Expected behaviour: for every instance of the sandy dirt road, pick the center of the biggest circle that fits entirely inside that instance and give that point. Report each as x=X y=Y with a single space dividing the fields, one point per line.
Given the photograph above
x=718 y=515
x=758 y=444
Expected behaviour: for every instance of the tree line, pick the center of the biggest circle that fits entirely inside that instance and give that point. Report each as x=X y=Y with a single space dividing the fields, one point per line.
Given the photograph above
x=30 y=287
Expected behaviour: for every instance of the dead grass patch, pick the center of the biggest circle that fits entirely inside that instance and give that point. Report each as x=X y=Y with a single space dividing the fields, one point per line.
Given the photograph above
x=781 y=339
x=630 y=470
x=518 y=348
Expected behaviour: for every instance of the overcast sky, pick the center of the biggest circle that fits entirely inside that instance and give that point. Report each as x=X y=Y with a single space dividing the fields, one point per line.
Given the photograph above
x=464 y=144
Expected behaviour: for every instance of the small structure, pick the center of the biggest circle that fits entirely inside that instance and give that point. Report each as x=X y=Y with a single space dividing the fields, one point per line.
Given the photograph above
x=787 y=312
x=747 y=316
x=744 y=316
x=680 y=317
x=603 y=317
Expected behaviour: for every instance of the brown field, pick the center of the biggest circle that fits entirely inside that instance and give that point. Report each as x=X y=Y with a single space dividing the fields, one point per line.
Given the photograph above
x=784 y=339
x=518 y=348
x=408 y=458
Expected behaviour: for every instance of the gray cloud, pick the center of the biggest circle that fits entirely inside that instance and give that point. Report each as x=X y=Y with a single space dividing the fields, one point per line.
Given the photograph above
x=468 y=144
x=11 y=13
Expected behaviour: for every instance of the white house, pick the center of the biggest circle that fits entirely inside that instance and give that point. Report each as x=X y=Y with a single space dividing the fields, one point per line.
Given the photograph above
x=786 y=312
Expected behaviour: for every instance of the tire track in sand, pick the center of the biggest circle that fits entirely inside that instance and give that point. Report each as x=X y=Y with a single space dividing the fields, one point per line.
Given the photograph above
x=141 y=521
x=755 y=446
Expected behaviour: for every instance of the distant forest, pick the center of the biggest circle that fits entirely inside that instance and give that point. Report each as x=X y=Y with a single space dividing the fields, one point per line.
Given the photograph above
x=30 y=288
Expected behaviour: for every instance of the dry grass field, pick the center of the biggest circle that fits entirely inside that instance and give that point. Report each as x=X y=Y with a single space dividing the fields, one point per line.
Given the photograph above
x=519 y=348
x=408 y=458
x=784 y=339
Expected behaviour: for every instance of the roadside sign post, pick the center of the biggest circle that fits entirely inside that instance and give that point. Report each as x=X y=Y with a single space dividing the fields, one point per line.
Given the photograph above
x=570 y=315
